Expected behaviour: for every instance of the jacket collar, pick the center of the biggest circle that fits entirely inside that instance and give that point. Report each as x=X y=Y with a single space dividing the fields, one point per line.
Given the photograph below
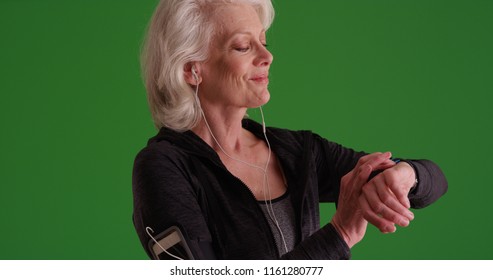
x=193 y=144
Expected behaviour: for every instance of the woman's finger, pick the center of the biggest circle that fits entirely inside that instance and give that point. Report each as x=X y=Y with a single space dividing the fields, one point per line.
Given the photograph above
x=383 y=203
x=382 y=224
x=385 y=190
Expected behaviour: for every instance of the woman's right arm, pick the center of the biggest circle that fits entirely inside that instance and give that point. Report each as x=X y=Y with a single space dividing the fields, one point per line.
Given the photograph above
x=348 y=219
x=163 y=197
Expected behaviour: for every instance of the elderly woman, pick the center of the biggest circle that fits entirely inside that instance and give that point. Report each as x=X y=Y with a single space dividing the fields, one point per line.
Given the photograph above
x=233 y=188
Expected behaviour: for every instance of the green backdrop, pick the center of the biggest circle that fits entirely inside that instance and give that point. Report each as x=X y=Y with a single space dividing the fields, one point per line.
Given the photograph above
x=412 y=77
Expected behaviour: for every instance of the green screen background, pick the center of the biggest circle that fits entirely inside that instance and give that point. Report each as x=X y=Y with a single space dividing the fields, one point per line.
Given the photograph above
x=411 y=77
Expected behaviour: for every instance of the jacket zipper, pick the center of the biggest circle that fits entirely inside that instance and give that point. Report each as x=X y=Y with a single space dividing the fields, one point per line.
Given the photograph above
x=266 y=222
x=261 y=211
x=223 y=167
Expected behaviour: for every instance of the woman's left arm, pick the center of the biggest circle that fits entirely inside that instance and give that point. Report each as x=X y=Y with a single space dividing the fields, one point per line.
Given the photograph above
x=386 y=198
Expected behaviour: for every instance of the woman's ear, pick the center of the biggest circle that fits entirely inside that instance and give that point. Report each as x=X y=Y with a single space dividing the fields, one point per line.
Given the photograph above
x=191 y=73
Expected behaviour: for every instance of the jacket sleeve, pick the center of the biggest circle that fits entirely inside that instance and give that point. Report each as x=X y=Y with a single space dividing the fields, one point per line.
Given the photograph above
x=431 y=185
x=163 y=198
x=333 y=161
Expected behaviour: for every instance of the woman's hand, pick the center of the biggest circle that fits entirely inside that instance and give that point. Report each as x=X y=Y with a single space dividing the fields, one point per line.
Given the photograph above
x=384 y=200
x=348 y=219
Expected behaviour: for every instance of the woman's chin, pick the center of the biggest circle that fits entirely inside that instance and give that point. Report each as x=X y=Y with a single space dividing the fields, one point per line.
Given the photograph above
x=261 y=99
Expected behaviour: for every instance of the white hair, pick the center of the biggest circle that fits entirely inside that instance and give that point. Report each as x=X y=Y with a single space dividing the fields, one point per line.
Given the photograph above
x=180 y=32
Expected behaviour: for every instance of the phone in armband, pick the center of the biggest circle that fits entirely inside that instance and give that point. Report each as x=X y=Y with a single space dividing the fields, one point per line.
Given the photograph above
x=170 y=245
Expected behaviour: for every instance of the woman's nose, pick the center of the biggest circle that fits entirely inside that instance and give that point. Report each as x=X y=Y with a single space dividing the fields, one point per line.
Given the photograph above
x=264 y=57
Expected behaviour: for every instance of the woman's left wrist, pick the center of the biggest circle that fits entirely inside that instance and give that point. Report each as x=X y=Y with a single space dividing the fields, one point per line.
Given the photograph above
x=414 y=181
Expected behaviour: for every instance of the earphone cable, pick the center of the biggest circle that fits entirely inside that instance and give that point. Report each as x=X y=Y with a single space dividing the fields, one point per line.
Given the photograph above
x=270 y=209
x=155 y=241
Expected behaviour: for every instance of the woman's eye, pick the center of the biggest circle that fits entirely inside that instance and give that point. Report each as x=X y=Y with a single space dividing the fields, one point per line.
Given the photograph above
x=242 y=49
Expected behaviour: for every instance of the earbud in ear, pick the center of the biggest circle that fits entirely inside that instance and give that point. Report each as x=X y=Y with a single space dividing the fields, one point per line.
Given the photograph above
x=194 y=73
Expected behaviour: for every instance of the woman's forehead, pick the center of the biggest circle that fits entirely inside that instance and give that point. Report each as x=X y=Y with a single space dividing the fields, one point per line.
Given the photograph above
x=235 y=19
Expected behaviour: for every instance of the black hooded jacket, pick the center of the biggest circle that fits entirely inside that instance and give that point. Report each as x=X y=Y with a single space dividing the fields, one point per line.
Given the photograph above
x=179 y=180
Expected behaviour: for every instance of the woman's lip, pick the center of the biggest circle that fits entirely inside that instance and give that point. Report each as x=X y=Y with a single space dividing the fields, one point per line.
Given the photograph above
x=261 y=79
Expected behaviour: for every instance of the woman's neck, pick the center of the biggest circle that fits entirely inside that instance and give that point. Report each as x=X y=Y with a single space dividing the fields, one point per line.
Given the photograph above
x=222 y=129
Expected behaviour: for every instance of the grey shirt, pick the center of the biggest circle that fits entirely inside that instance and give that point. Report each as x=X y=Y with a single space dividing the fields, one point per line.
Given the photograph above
x=279 y=213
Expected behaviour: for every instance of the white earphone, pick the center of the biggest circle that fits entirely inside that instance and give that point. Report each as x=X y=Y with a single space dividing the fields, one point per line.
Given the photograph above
x=266 y=187
x=194 y=73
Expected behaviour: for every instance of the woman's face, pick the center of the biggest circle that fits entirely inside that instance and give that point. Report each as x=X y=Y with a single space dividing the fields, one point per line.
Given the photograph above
x=237 y=71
